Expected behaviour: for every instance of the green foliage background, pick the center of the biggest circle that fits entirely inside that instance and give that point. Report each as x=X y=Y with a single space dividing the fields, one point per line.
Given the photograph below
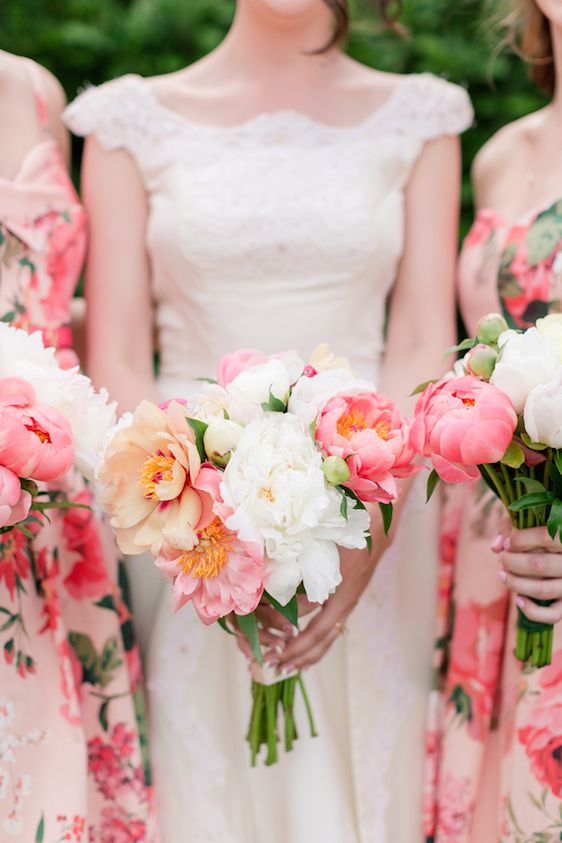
x=84 y=41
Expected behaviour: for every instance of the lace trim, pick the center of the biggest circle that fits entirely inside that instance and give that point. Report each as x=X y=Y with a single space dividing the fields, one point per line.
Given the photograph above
x=125 y=113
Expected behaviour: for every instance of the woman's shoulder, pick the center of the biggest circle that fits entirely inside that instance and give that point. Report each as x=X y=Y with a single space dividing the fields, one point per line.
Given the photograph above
x=510 y=143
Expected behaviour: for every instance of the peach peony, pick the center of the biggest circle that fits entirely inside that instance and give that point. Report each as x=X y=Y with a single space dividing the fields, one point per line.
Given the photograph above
x=462 y=423
x=221 y=574
x=147 y=481
x=367 y=431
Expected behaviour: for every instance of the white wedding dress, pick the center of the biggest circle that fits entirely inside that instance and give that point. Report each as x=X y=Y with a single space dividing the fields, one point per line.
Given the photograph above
x=282 y=233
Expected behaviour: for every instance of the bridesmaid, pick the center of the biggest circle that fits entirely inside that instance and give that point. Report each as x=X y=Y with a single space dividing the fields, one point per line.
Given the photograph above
x=72 y=763
x=500 y=723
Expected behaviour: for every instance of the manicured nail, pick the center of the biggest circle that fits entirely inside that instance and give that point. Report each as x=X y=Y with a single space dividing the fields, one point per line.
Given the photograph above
x=288 y=668
x=521 y=602
x=279 y=647
x=502 y=575
x=498 y=543
x=271 y=661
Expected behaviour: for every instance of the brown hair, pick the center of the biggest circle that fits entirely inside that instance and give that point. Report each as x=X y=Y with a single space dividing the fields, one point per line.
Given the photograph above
x=388 y=10
x=529 y=36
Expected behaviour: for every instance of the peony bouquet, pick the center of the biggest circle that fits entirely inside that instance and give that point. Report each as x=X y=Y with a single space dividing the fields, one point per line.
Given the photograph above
x=244 y=494
x=499 y=414
x=50 y=419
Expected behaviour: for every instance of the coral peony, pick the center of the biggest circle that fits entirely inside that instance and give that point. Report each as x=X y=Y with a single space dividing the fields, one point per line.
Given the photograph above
x=367 y=431
x=221 y=574
x=232 y=364
x=462 y=423
x=146 y=480
x=35 y=442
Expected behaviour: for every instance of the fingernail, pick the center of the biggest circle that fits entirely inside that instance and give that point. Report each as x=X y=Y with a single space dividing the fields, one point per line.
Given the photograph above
x=279 y=648
x=271 y=661
x=288 y=628
x=520 y=602
x=506 y=542
x=498 y=543
x=288 y=668
x=502 y=575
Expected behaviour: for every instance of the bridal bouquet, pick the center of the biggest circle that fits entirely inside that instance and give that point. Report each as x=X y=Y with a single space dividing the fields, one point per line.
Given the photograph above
x=244 y=494
x=500 y=415
x=50 y=419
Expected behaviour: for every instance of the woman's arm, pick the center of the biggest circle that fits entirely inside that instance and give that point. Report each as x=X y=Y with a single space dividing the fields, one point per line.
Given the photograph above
x=421 y=326
x=119 y=316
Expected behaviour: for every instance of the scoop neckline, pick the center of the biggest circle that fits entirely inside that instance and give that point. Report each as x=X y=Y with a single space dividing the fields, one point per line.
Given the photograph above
x=282 y=114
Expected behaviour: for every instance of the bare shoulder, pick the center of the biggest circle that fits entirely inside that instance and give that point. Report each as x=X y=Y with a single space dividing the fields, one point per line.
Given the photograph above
x=511 y=143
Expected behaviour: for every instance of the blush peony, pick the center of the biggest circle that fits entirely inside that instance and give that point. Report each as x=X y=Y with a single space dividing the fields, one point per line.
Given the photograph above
x=462 y=423
x=146 y=481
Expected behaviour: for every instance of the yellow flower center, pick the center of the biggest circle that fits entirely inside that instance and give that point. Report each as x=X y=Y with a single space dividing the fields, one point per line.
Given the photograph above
x=382 y=429
x=267 y=494
x=351 y=423
x=41 y=434
x=155 y=470
x=208 y=558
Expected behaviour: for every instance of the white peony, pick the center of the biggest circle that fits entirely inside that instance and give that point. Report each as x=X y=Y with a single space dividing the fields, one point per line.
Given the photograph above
x=310 y=395
x=525 y=361
x=90 y=414
x=275 y=486
x=256 y=384
x=550 y=327
x=543 y=413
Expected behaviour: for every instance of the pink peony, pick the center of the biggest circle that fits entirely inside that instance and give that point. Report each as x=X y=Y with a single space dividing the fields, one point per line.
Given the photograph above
x=462 y=423
x=14 y=502
x=221 y=574
x=35 y=442
x=368 y=432
x=232 y=364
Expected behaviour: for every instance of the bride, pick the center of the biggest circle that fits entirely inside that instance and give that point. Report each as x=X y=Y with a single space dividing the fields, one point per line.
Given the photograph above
x=278 y=194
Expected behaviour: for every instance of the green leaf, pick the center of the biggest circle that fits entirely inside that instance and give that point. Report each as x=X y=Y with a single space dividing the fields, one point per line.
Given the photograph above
x=274 y=404
x=358 y=503
x=432 y=483
x=290 y=611
x=514 y=456
x=386 y=512
x=531 y=484
x=465 y=345
x=40 y=833
x=554 y=524
x=106 y=602
x=558 y=459
x=534 y=446
x=206 y=380
x=249 y=628
x=8 y=317
x=556 y=476
x=343 y=507
x=530 y=500
x=199 y=428
x=223 y=625
x=422 y=387
x=102 y=716
x=369 y=540
x=9 y=623
x=312 y=428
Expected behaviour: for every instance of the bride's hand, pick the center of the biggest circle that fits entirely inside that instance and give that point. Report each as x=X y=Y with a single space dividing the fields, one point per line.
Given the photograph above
x=531 y=566
x=357 y=567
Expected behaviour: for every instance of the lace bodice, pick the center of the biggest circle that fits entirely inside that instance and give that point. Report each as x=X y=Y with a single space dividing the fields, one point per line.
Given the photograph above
x=280 y=231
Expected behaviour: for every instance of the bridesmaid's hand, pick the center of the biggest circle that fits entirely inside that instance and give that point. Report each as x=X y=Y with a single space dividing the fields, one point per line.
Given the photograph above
x=531 y=566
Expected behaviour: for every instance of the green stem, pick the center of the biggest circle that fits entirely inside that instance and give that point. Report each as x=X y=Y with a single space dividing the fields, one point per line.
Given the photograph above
x=313 y=732
x=493 y=477
x=271 y=692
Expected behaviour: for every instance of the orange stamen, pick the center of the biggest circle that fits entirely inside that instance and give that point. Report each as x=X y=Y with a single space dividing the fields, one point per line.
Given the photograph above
x=208 y=558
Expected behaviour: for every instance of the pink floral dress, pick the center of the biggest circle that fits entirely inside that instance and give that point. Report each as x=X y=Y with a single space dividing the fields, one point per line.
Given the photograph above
x=494 y=761
x=73 y=764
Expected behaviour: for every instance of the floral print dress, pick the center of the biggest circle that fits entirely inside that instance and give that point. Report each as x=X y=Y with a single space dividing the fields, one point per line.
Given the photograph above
x=494 y=760
x=73 y=764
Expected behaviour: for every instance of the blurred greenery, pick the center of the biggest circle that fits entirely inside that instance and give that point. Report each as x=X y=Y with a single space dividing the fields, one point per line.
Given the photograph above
x=85 y=41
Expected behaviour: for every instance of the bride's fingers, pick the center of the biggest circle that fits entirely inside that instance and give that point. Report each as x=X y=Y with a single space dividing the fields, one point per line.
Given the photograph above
x=532 y=564
x=323 y=628
x=269 y=618
x=540 y=614
x=314 y=655
x=541 y=589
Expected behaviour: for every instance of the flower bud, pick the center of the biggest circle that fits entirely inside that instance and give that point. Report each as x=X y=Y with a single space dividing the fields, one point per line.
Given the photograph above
x=335 y=470
x=220 y=439
x=481 y=361
x=490 y=328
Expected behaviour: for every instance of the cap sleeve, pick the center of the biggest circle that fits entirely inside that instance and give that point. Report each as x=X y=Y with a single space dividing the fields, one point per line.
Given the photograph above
x=437 y=107
x=115 y=113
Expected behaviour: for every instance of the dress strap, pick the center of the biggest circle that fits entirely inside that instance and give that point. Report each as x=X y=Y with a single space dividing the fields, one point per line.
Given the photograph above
x=39 y=92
